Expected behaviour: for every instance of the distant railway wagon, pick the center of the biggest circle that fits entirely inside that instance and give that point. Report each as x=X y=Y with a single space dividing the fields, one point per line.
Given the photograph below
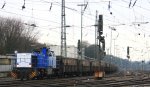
x=43 y=63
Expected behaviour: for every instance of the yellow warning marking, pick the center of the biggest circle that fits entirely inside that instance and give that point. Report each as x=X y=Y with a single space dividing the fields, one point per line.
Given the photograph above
x=99 y=74
x=14 y=75
x=33 y=74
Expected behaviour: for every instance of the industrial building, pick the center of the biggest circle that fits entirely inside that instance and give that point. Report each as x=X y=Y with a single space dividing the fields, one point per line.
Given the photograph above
x=71 y=50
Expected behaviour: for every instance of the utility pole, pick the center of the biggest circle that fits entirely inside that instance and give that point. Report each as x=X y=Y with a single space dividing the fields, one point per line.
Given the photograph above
x=143 y=66
x=63 y=31
x=96 y=24
x=82 y=12
x=112 y=28
x=111 y=44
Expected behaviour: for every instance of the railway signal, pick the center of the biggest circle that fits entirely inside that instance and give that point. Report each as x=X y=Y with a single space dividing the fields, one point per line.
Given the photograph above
x=100 y=25
x=100 y=30
x=128 y=52
x=79 y=47
x=100 y=37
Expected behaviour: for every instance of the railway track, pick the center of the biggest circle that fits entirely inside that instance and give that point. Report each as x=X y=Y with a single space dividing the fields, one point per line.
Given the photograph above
x=61 y=82
x=78 y=82
x=117 y=83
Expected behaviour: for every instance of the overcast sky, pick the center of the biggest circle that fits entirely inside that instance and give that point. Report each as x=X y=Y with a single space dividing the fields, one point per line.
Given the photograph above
x=129 y=18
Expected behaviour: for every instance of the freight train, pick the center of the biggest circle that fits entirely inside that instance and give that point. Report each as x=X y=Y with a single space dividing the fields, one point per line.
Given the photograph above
x=43 y=63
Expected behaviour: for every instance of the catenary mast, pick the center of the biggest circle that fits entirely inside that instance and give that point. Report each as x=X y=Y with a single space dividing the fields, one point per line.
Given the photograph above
x=63 y=30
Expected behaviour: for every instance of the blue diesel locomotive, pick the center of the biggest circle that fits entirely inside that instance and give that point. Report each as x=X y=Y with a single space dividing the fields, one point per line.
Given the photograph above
x=36 y=65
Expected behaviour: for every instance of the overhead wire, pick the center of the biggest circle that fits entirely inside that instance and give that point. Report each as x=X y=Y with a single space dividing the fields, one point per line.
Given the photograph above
x=134 y=3
x=138 y=6
x=53 y=29
x=10 y=3
x=130 y=3
x=26 y=15
x=127 y=39
x=108 y=19
x=27 y=9
x=133 y=11
x=50 y=7
x=72 y=10
x=23 y=6
x=58 y=32
x=30 y=17
x=3 y=5
x=140 y=29
x=58 y=2
x=90 y=14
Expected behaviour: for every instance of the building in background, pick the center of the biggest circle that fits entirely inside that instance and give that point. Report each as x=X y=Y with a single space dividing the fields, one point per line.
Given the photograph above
x=71 y=50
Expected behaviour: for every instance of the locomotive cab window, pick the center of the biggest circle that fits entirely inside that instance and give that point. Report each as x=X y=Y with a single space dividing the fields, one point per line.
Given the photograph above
x=34 y=61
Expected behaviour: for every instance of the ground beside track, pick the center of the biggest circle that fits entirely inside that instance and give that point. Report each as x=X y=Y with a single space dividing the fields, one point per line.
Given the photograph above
x=115 y=80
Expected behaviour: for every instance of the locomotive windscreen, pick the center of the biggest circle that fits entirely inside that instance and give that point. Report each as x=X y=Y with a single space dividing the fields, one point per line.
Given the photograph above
x=23 y=59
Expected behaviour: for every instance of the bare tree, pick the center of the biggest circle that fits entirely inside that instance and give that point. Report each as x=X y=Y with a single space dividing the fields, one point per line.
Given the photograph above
x=14 y=35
